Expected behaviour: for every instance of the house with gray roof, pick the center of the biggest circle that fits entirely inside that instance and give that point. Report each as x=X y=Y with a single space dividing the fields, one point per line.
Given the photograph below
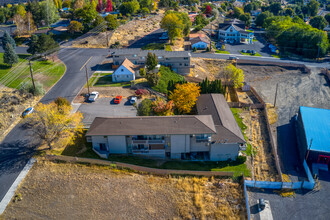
x=233 y=31
x=213 y=134
x=178 y=61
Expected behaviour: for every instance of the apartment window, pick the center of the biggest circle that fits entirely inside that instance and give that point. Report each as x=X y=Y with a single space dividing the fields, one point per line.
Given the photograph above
x=202 y=138
x=134 y=55
x=117 y=56
x=167 y=58
x=122 y=70
x=103 y=147
x=180 y=64
x=186 y=64
x=160 y=57
x=186 y=58
x=105 y=137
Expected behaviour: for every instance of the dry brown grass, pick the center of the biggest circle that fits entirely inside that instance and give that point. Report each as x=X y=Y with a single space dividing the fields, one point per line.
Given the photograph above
x=75 y=191
x=209 y=68
x=271 y=112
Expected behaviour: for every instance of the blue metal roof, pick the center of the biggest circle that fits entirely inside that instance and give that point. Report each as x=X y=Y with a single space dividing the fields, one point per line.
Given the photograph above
x=317 y=127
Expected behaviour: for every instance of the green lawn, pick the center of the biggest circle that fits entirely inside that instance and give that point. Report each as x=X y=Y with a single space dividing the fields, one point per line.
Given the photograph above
x=222 y=51
x=243 y=127
x=165 y=76
x=168 y=47
x=250 y=54
x=76 y=150
x=45 y=72
x=104 y=80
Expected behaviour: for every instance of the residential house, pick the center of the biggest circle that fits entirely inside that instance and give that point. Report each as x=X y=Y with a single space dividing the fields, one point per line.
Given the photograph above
x=211 y=135
x=124 y=73
x=233 y=31
x=200 y=43
x=178 y=61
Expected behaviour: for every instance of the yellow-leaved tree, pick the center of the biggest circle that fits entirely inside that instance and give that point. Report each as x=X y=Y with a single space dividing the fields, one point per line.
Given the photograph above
x=185 y=96
x=55 y=124
x=173 y=25
x=234 y=76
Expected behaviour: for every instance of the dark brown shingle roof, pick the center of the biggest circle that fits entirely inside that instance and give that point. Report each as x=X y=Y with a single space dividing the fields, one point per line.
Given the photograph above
x=224 y=120
x=152 y=125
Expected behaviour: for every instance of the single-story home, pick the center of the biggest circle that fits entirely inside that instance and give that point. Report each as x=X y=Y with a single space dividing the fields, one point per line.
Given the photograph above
x=313 y=134
x=213 y=134
x=200 y=43
x=125 y=72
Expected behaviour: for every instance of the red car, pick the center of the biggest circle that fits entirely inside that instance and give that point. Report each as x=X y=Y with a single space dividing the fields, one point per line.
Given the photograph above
x=118 y=99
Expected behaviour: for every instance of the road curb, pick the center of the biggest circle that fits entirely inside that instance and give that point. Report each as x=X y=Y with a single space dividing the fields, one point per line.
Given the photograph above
x=11 y=192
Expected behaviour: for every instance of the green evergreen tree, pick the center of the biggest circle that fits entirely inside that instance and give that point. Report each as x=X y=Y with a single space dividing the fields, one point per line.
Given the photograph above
x=10 y=56
x=46 y=43
x=151 y=62
x=8 y=39
x=33 y=45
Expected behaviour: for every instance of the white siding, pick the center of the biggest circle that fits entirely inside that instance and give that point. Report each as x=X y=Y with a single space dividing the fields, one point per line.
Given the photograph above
x=122 y=74
x=224 y=152
x=199 y=147
x=97 y=140
x=200 y=45
x=117 y=144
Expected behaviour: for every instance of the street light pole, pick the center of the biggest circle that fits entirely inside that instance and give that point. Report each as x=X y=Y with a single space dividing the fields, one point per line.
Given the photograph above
x=87 y=79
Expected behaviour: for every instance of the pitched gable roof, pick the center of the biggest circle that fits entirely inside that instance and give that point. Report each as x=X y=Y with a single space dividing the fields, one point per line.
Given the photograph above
x=129 y=65
x=224 y=120
x=198 y=39
x=153 y=125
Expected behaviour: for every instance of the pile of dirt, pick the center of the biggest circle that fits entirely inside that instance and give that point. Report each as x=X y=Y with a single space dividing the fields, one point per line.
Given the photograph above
x=75 y=191
x=12 y=104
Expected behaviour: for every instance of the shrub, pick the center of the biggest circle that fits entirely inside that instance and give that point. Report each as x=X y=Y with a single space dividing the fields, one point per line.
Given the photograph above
x=29 y=89
x=60 y=101
x=240 y=159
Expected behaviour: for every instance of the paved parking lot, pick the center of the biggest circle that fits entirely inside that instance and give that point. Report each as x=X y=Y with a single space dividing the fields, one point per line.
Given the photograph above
x=259 y=46
x=305 y=205
x=104 y=107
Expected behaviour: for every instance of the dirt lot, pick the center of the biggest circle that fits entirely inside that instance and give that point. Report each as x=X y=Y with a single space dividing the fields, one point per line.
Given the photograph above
x=209 y=68
x=72 y=191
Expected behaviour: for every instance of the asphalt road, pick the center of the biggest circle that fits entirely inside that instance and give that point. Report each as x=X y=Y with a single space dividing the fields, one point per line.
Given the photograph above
x=18 y=146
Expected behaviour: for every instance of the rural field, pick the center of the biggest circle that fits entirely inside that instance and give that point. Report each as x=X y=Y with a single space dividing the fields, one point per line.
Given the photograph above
x=77 y=191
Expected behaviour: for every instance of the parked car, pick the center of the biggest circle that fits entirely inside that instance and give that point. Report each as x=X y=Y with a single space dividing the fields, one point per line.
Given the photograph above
x=164 y=36
x=243 y=51
x=232 y=58
x=248 y=51
x=118 y=99
x=253 y=52
x=93 y=96
x=27 y=112
x=133 y=100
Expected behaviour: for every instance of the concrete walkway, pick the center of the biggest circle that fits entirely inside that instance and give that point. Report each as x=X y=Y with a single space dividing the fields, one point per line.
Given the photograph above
x=11 y=192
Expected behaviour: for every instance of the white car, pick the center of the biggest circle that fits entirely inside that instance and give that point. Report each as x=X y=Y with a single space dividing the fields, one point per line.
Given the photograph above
x=133 y=100
x=93 y=96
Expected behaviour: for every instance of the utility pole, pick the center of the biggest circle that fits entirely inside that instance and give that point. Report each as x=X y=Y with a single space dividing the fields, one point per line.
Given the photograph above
x=87 y=79
x=310 y=145
x=275 y=95
x=34 y=86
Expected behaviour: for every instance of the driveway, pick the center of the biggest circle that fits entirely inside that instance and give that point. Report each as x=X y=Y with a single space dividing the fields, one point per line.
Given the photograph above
x=259 y=46
x=104 y=107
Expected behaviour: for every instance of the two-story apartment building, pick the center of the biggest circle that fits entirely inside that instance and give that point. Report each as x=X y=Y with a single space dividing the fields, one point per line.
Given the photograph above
x=233 y=31
x=178 y=61
x=211 y=135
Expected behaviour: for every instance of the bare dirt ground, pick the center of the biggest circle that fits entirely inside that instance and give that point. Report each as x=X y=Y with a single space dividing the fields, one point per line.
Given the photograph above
x=73 y=191
x=209 y=68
